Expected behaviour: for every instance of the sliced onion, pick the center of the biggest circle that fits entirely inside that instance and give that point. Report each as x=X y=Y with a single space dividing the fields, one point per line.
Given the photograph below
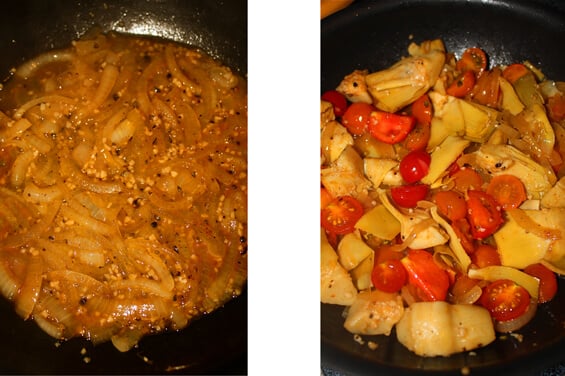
x=509 y=131
x=124 y=342
x=526 y=222
x=29 y=290
x=469 y=297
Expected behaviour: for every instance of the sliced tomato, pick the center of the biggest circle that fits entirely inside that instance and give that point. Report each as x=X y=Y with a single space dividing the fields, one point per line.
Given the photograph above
x=414 y=166
x=547 y=281
x=462 y=229
x=341 y=214
x=473 y=58
x=422 y=110
x=419 y=137
x=466 y=178
x=505 y=300
x=453 y=168
x=426 y=275
x=389 y=276
x=390 y=128
x=487 y=88
x=462 y=85
x=356 y=117
x=556 y=107
x=408 y=196
x=515 y=71
x=485 y=255
x=451 y=204
x=338 y=101
x=484 y=214
x=507 y=190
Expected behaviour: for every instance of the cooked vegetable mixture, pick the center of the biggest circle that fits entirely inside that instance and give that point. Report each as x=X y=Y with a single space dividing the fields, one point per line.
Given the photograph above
x=441 y=198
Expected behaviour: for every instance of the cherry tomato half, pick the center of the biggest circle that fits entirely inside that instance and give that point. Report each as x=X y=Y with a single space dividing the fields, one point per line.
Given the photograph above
x=556 y=107
x=341 y=214
x=466 y=178
x=462 y=85
x=547 y=281
x=474 y=59
x=451 y=205
x=422 y=110
x=408 y=196
x=389 y=276
x=338 y=101
x=390 y=128
x=485 y=255
x=484 y=214
x=462 y=229
x=419 y=137
x=414 y=166
x=507 y=190
x=505 y=300
x=356 y=117
x=426 y=275
x=514 y=72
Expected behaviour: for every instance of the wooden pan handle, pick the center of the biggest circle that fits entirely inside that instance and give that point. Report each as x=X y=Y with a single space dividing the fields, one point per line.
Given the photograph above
x=331 y=6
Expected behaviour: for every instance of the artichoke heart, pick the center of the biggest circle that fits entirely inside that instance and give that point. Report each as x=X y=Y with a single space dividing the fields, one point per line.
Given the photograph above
x=506 y=159
x=417 y=228
x=408 y=79
x=460 y=117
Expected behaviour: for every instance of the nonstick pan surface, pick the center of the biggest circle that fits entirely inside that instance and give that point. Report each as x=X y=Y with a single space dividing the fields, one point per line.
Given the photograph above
x=375 y=34
x=215 y=344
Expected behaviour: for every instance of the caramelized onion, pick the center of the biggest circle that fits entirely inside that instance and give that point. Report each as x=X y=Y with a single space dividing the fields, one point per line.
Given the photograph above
x=530 y=225
x=124 y=209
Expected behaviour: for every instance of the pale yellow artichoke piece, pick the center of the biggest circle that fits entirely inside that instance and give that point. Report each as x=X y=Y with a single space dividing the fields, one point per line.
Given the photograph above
x=354 y=87
x=408 y=79
x=373 y=313
x=336 y=286
x=506 y=159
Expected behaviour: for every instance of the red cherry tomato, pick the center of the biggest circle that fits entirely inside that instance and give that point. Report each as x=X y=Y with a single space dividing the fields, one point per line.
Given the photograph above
x=390 y=128
x=338 y=101
x=462 y=85
x=547 y=281
x=462 y=229
x=484 y=214
x=474 y=59
x=556 y=107
x=514 y=72
x=387 y=252
x=389 y=276
x=340 y=215
x=414 y=166
x=507 y=190
x=426 y=275
x=505 y=300
x=451 y=205
x=466 y=178
x=422 y=110
x=356 y=117
x=408 y=196
x=419 y=137
x=485 y=255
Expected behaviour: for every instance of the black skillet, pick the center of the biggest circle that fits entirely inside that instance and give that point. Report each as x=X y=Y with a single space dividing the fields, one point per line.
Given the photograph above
x=216 y=344
x=375 y=34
